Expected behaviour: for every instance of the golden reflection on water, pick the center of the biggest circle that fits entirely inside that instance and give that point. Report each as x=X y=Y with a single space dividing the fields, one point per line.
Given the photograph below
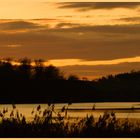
x=80 y=110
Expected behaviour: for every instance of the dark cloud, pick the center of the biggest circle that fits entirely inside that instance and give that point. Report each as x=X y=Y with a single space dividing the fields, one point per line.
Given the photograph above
x=68 y=25
x=83 y=6
x=88 y=42
x=123 y=29
x=18 y=25
x=130 y=19
x=45 y=19
x=66 y=16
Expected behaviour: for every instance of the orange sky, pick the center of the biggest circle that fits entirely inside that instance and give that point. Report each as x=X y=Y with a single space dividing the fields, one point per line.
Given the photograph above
x=69 y=34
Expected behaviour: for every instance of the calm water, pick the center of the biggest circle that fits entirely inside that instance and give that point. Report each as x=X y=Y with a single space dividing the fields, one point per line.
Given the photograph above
x=123 y=110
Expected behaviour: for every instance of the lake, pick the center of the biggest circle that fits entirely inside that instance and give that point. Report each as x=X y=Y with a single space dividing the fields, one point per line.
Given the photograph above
x=122 y=109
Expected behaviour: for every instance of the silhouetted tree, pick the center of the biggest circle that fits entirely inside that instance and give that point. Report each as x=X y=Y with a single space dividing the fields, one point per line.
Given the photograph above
x=53 y=73
x=73 y=78
x=39 y=69
x=24 y=69
x=6 y=70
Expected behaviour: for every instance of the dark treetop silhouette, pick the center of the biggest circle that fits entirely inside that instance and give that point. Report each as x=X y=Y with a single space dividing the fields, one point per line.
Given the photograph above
x=26 y=83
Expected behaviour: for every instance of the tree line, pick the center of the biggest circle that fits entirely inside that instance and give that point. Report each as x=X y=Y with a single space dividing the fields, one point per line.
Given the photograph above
x=33 y=82
x=25 y=69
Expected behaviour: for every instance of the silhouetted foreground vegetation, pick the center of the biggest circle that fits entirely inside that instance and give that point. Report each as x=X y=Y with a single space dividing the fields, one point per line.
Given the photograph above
x=32 y=82
x=44 y=124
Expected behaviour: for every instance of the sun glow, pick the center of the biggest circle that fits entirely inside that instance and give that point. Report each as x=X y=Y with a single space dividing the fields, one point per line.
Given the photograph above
x=69 y=62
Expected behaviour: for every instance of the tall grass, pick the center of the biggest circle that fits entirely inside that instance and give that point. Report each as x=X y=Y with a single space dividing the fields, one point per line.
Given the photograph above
x=51 y=123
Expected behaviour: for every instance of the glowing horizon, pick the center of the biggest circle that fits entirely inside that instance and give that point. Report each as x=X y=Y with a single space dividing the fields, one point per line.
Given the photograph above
x=80 y=62
x=71 y=62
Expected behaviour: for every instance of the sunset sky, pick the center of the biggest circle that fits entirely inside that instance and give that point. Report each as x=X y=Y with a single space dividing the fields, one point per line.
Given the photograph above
x=89 y=39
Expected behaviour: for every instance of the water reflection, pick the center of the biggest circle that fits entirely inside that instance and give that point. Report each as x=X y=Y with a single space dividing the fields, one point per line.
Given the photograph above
x=122 y=110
